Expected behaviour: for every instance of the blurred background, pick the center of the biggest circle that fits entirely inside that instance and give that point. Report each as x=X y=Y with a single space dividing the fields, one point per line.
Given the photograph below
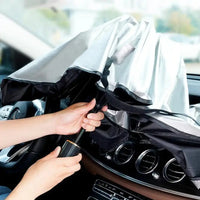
x=55 y=21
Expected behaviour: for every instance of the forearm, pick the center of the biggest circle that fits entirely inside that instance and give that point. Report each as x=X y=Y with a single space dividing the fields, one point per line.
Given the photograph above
x=22 y=130
x=21 y=193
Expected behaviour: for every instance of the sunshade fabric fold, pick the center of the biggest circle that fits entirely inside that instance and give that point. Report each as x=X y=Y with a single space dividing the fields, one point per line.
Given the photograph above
x=142 y=64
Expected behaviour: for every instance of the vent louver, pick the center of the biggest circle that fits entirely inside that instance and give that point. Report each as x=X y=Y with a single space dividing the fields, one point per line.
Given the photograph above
x=124 y=153
x=173 y=172
x=147 y=161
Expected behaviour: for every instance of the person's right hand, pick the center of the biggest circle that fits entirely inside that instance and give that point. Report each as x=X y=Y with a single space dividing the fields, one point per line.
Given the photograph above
x=44 y=175
x=77 y=116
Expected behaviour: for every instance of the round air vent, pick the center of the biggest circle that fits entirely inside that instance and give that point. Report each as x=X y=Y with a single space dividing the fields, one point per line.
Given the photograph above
x=123 y=153
x=173 y=172
x=147 y=161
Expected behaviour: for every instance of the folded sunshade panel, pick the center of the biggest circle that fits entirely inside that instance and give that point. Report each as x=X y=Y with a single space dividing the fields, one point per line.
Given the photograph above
x=141 y=66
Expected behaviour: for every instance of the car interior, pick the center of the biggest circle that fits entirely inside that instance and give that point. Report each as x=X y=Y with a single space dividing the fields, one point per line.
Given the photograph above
x=133 y=169
x=114 y=167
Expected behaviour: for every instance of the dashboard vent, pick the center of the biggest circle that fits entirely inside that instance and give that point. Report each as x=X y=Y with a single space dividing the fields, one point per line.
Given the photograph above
x=123 y=153
x=173 y=172
x=147 y=161
x=14 y=114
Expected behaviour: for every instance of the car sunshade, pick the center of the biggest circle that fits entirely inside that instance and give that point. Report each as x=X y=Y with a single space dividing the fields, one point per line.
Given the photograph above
x=131 y=59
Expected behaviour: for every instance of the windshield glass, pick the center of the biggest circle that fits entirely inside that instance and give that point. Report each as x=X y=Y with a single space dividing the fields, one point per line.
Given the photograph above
x=57 y=21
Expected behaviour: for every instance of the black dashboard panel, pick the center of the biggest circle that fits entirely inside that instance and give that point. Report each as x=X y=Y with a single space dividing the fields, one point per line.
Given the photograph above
x=137 y=161
x=140 y=162
x=105 y=190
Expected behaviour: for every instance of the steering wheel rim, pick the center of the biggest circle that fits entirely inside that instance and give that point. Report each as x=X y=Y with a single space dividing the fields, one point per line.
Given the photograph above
x=15 y=160
x=25 y=154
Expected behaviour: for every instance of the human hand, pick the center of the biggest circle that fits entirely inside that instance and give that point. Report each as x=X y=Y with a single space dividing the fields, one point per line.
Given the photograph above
x=44 y=175
x=67 y=121
x=71 y=119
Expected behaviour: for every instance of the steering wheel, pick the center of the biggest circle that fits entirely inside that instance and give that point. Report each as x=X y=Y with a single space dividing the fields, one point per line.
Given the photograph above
x=15 y=160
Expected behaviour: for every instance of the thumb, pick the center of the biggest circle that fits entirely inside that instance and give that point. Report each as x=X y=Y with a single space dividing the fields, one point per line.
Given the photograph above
x=53 y=154
x=89 y=106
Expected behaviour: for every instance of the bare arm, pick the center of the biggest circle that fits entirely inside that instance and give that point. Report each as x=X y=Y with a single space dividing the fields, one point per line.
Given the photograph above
x=22 y=130
x=67 y=121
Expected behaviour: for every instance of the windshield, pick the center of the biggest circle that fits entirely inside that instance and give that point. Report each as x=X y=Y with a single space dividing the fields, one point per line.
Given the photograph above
x=57 y=21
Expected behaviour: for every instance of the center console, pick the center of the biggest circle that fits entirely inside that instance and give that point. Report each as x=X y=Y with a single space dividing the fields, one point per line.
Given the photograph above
x=104 y=190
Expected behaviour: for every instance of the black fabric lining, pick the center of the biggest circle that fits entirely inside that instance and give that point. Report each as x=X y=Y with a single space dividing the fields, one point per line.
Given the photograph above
x=73 y=82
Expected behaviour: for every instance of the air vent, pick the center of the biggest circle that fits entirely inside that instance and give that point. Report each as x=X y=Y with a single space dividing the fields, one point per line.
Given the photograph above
x=173 y=172
x=147 y=161
x=14 y=114
x=123 y=153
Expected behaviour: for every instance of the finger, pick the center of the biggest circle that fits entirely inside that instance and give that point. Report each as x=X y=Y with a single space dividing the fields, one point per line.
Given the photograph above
x=57 y=151
x=95 y=123
x=105 y=108
x=70 y=161
x=85 y=108
x=88 y=128
x=53 y=154
x=72 y=169
x=96 y=116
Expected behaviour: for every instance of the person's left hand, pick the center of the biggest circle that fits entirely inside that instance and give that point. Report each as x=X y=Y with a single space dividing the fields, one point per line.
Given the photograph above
x=71 y=119
x=44 y=174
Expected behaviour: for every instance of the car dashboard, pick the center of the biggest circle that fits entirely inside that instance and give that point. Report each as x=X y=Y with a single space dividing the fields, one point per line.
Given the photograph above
x=134 y=169
x=138 y=162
